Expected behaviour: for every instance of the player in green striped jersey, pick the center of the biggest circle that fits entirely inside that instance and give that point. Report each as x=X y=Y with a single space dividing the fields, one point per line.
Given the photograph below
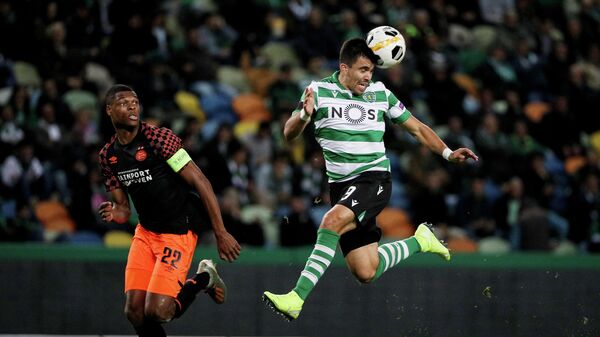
x=348 y=111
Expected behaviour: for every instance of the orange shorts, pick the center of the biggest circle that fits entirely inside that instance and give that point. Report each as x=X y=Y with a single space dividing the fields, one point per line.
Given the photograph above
x=158 y=262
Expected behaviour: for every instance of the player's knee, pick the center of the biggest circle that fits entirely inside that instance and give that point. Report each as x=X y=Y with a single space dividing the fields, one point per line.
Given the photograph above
x=364 y=276
x=159 y=314
x=134 y=314
x=332 y=221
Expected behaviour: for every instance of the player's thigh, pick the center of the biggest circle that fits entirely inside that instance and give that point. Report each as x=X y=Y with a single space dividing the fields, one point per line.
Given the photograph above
x=134 y=306
x=174 y=254
x=140 y=261
x=363 y=261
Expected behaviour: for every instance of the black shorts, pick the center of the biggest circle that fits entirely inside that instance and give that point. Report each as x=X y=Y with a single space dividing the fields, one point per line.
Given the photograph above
x=367 y=195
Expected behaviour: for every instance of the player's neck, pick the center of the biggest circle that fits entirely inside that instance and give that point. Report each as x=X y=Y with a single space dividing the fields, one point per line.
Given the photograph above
x=126 y=133
x=342 y=78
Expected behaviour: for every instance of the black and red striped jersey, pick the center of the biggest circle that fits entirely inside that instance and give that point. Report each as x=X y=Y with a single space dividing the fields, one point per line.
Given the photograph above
x=164 y=201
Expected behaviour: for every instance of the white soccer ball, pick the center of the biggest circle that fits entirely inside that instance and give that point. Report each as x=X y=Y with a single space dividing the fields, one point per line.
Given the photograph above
x=388 y=44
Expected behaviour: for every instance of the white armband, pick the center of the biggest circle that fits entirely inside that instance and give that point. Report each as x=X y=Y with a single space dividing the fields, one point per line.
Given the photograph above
x=304 y=116
x=446 y=154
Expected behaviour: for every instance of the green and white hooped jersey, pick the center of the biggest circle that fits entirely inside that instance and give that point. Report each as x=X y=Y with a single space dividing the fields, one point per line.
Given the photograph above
x=350 y=128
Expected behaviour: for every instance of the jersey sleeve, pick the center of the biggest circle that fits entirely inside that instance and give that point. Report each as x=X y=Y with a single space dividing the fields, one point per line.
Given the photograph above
x=110 y=181
x=396 y=112
x=163 y=141
x=167 y=145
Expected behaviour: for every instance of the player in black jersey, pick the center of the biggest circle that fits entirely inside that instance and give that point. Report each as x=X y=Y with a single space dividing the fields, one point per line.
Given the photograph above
x=173 y=198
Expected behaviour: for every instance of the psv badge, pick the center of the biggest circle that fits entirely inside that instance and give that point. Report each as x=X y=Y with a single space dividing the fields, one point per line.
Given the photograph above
x=141 y=155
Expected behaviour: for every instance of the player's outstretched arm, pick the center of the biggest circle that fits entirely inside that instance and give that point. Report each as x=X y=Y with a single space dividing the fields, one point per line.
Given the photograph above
x=297 y=122
x=429 y=138
x=229 y=248
x=118 y=210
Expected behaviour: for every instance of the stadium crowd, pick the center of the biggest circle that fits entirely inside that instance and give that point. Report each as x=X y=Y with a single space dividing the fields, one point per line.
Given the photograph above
x=518 y=81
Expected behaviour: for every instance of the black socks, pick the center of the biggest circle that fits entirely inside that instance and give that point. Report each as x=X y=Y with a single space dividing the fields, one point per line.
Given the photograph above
x=188 y=292
x=150 y=329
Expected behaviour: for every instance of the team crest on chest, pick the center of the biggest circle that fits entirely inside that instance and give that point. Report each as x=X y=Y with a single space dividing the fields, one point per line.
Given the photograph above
x=140 y=154
x=369 y=96
x=355 y=113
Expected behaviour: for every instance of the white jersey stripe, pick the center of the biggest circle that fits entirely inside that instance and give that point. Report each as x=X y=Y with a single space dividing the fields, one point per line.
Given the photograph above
x=360 y=147
x=310 y=276
x=384 y=253
x=325 y=250
x=404 y=249
x=320 y=259
x=316 y=266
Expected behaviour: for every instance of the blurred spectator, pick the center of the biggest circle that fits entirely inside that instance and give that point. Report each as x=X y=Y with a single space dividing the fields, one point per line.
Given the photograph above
x=245 y=233
x=474 y=210
x=429 y=201
x=11 y=133
x=242 y=178
x=23 y=174
x=297 y=228
x=284 y=93
x=22 y=227
x=566 y=142
x=260 y=146
x=492 y=144
x=497 y=72
x=317 y=38
x=508 y=209
x=215 y=155
x=218 y=38
x=584 y=213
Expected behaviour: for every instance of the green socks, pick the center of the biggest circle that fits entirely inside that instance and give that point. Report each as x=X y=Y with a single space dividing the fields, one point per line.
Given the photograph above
x=318 y=261
x=390 y=254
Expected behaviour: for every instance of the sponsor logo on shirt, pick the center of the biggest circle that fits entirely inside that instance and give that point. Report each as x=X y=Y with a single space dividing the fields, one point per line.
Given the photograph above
x=134 y=176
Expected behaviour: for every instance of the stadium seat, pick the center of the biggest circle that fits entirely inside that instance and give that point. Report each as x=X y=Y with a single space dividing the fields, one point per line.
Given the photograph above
x=462 y=245
x=459 y=36
x=117 y=239
x=574 y=163
x=493 y=245
x=55 y=219
x=484 y=36
x=99 y=75
x=85 y=238
x=595 y=141
x=470 y=59
x=278 y=53
x=189 y=104
x=395 y=223
x=535 y=111
x=243 y=129
x=27 y=75
x=233 y=77
x=251 y=107
x=467 y=83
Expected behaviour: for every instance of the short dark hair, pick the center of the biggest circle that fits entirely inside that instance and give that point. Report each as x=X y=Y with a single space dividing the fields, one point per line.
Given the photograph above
x=112 y=92
x=353 y=49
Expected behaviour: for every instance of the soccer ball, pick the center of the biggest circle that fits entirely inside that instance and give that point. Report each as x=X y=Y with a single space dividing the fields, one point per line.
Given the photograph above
x=388 y=45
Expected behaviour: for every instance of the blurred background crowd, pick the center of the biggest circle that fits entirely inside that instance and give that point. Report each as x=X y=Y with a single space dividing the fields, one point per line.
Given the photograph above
x=517 y=81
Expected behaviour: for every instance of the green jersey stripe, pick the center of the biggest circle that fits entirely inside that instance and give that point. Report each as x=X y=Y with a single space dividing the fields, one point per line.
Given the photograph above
x=339 y=157
x=349 y=135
